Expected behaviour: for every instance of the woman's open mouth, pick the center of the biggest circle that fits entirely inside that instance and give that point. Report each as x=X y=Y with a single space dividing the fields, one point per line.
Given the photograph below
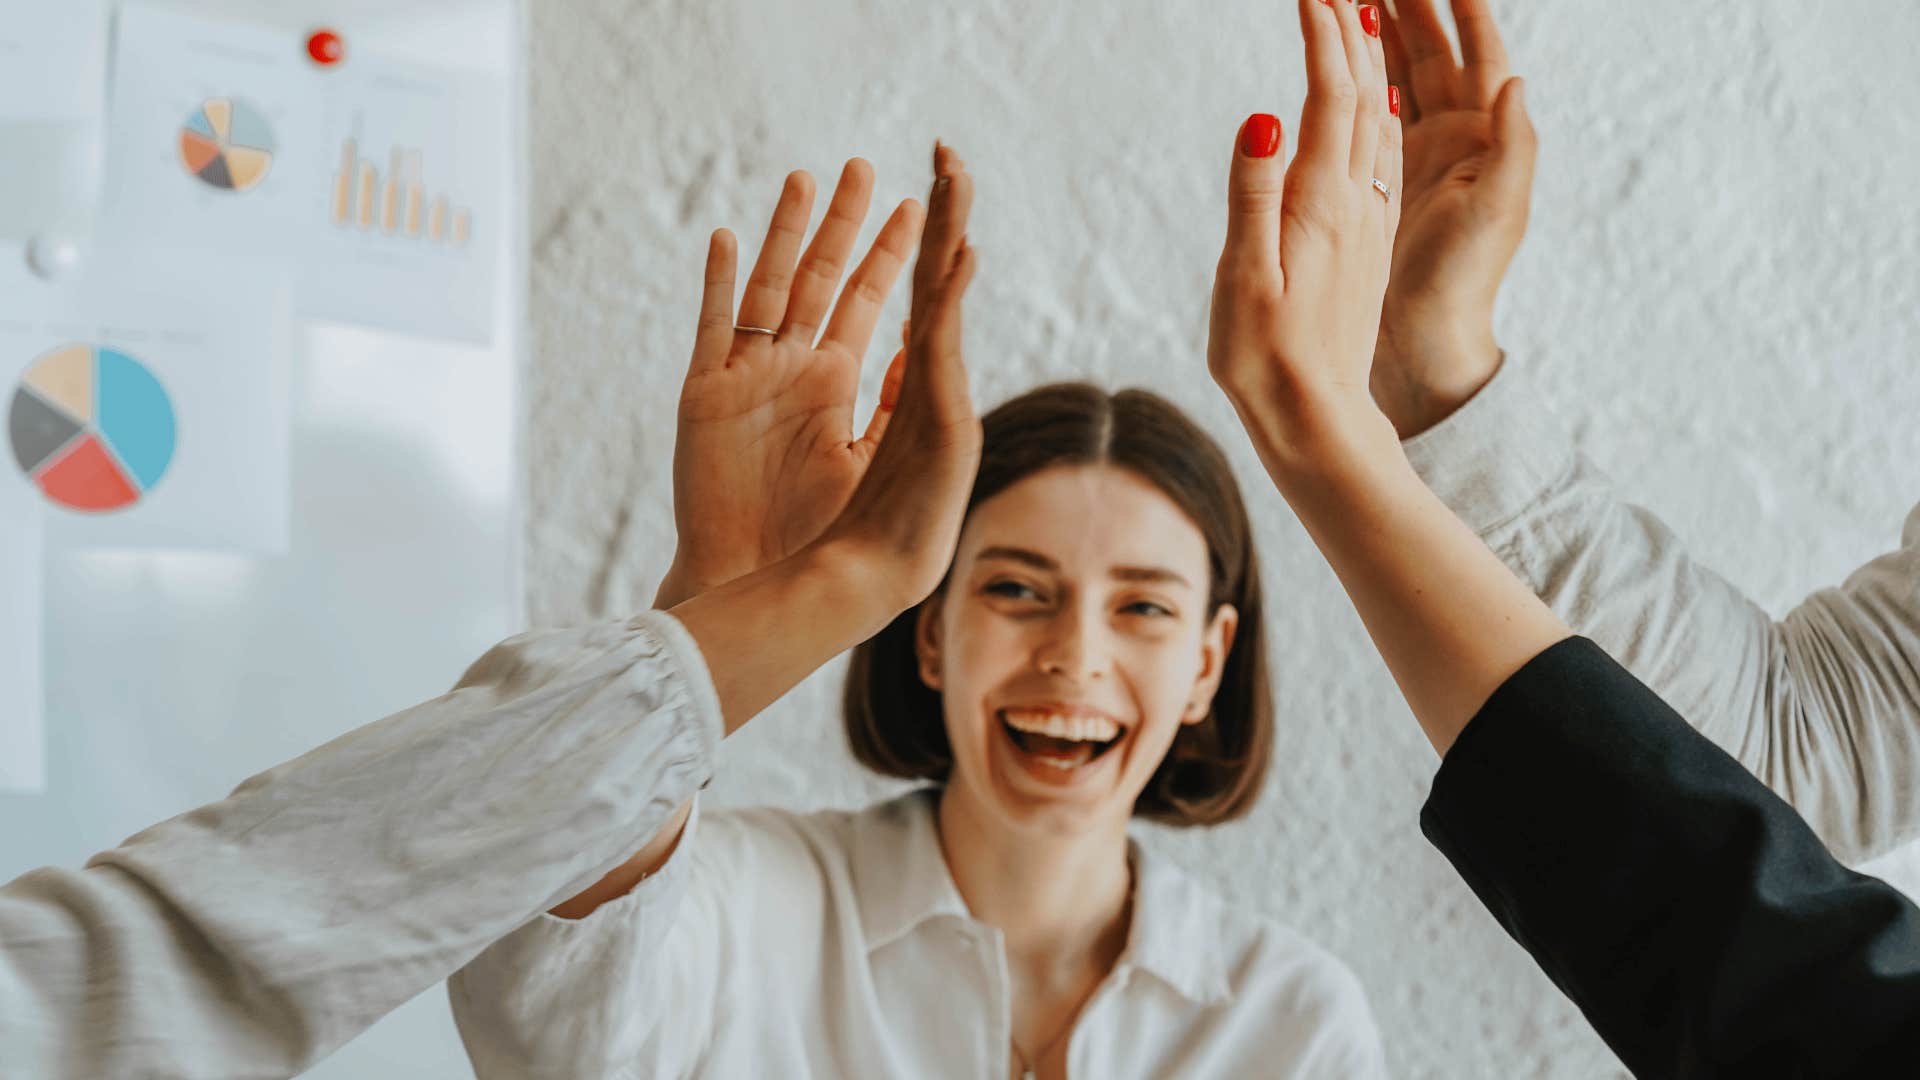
x=1057 y=741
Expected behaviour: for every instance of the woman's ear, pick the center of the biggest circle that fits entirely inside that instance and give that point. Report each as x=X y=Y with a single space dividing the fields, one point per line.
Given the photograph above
x=1215 y=642
x=926 y=640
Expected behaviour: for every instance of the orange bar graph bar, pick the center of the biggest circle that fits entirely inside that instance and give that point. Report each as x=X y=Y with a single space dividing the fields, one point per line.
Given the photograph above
x=369 y=179
x=390 y=197
x=437 y=220
x=343 y=184
x=414 y=195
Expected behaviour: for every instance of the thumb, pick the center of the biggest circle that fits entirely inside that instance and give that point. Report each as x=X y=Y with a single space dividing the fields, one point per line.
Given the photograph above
x=889 y=398
x=1510 y=171
x=1254 y=185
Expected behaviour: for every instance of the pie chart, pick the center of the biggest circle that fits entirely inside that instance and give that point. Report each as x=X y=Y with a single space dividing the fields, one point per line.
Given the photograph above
x=227 y=144
x=91 y=427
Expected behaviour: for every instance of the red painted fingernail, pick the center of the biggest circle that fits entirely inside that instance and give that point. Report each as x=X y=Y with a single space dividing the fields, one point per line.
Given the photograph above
x=1260 y=135
x=1370 y=19
x=1393 y=99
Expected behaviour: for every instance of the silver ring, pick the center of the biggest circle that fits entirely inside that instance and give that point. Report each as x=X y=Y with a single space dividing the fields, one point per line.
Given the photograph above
x=1380 y=186
x=738 y=329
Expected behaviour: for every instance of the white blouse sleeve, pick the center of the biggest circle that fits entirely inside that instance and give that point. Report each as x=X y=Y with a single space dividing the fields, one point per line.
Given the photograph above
x=561 y=999
x=646 y=984
x=1823 y=705
x=253 y=936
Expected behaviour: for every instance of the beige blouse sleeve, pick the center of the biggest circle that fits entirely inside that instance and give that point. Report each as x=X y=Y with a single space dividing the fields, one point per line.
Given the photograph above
x=253 y=936
x=1822 y=705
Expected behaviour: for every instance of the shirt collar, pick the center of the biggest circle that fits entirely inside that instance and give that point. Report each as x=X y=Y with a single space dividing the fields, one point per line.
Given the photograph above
x=903 y=882
x=1176 y=932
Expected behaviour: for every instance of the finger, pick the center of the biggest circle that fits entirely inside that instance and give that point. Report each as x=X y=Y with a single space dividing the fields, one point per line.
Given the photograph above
x=1388 y=167
x=826 y=256
x=937 y=374
x=889 y=399
x=1400 y=69
x=713 y=338
x=1485 y=56
x=858 y=311
x=1255 y=181
x=1433 y=69
x=764 y=303
x=1326 y=121
x=1370 y=82
x=940 y=242
x=1509 y=177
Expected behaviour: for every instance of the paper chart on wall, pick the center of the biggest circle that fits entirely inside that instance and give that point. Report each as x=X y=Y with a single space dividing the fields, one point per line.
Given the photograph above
x=406 y=236
x=214 y=138
x=22 y=739
x=148 y=404
x=52 y=95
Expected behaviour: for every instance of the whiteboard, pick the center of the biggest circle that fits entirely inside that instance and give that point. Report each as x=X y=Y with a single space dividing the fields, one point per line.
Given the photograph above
x=169 y=677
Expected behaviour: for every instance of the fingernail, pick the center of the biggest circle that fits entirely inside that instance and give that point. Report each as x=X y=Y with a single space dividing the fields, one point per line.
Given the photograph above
x=940 y=182
x=1260 y=135
x=1370 y=19
x=890 y=395
x=1393 y=99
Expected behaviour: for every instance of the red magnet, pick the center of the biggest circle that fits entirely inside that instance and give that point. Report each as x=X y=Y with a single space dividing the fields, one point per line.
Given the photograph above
x=326 y=48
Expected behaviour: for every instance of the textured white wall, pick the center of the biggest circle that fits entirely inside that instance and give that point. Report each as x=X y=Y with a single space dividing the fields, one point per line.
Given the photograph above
x=1719 y=292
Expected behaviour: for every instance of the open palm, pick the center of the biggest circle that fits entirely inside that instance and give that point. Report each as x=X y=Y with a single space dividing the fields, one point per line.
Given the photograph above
x=1464 y=209
x=765 y=456
x=1469 y=181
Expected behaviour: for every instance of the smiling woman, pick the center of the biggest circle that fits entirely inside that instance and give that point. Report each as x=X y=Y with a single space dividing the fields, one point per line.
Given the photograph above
x=1055 y=615
x=1102 y=529
x=1094 y=654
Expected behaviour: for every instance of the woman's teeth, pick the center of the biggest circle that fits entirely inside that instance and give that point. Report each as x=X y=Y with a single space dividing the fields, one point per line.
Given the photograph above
x=1061 y=742
x=1054 y=725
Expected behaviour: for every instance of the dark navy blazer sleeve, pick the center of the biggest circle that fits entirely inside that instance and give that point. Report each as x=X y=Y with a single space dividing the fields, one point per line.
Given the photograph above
x=1689 y=912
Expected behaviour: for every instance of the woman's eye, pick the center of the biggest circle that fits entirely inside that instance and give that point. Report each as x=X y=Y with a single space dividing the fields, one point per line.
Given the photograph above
x=1011 y=589
x=1151 y=608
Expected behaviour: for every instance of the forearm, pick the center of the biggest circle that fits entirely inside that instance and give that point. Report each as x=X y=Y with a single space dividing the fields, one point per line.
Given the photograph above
x=1693 y=917
x=1822 y=705
x=745 y=631
x=1429 y=363
x=254 y=935
x=763 y=633
x=1449 y=619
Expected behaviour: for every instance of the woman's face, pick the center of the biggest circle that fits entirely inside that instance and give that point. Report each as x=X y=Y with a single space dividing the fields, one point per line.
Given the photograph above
x=1071 y=643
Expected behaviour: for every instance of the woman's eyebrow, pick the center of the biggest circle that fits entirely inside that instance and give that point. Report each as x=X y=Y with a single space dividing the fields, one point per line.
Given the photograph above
x=1118 y=573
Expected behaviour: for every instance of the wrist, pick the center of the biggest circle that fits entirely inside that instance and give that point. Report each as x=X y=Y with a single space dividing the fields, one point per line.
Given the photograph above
x=1307 y=437
x=675 y=588
x=1427 y=365
x=686 y=579
x=764 y=632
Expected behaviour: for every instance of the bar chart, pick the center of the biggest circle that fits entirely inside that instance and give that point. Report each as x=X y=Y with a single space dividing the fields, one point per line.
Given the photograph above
x=398 y=203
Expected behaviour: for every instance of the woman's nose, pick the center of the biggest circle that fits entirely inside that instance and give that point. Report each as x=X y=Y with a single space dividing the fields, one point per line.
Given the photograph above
x=1074 y=647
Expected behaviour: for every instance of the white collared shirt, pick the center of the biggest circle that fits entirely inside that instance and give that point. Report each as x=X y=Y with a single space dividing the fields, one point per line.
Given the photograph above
x=835 y=944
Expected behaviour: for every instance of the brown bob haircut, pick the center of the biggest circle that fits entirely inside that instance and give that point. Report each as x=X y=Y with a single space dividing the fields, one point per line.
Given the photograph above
x=1214 y=769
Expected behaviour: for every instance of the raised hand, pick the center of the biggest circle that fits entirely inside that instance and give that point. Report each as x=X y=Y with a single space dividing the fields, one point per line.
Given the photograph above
x=1296 y=300
x=905 y=516
x=1469 y=175
x=765 y=454
x=1296 y=305
x=890 y=544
